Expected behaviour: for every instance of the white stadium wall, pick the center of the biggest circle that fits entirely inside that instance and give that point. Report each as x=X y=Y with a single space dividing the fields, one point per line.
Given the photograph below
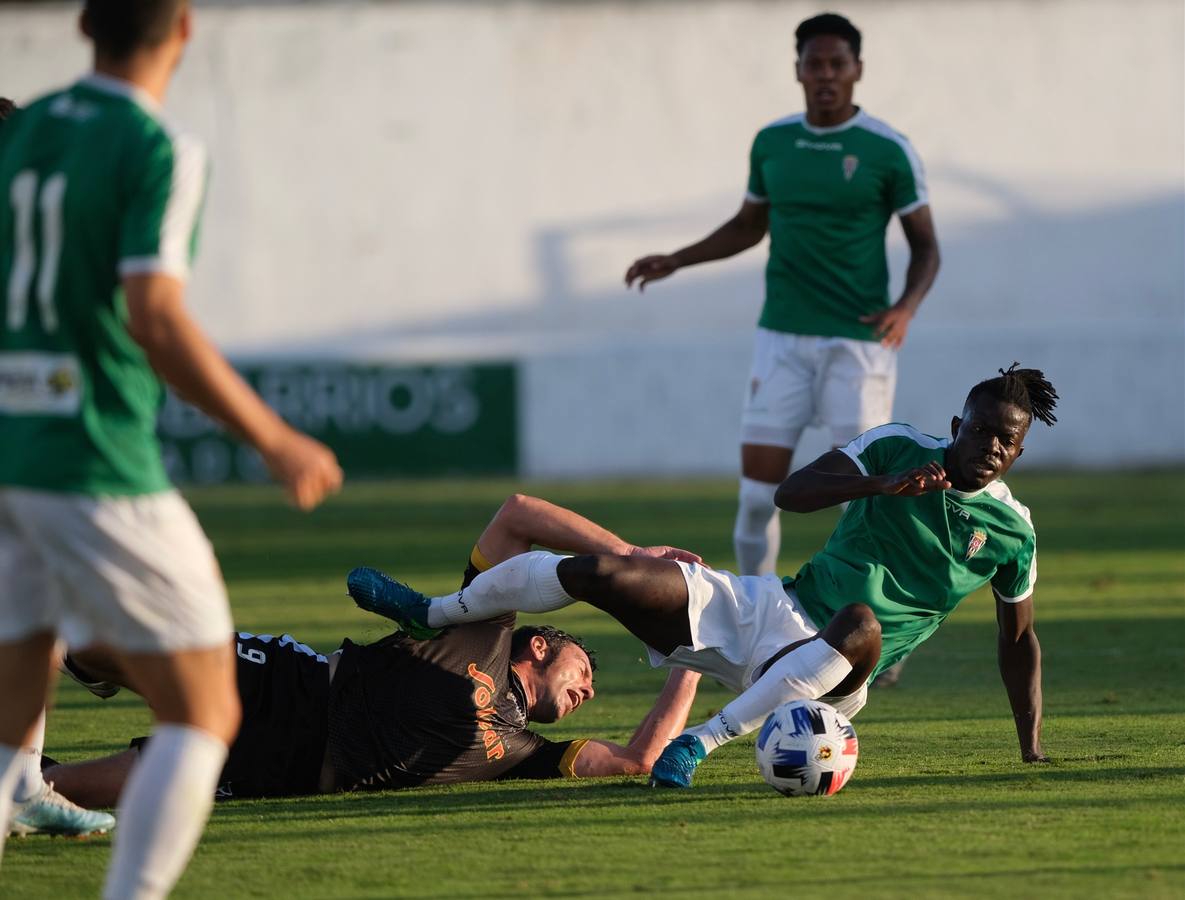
x=462 y=180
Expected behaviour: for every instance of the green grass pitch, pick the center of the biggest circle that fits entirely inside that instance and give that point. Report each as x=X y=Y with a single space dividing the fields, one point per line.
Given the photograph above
x=940 y=805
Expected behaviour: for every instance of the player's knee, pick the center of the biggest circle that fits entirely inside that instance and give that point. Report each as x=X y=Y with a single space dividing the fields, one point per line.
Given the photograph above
x=855 y=631
x=755 y=506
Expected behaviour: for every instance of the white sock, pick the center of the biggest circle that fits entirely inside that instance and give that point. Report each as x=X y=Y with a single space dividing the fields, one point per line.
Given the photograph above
x=9 y=772
x=524 y=583
x=757 y=536
x=29 y=781
x=162 y=811
x=805 y=673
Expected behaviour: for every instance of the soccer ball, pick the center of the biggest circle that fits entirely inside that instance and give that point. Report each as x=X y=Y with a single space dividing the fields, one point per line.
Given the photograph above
x=806 y=747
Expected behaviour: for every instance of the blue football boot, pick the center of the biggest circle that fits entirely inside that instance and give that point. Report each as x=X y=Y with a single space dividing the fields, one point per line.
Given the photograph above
x=50 y=813
x=375 y=592
x=678 y=762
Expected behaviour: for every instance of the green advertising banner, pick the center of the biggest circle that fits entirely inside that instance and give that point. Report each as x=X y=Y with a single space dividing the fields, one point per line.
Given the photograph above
x=382 y=421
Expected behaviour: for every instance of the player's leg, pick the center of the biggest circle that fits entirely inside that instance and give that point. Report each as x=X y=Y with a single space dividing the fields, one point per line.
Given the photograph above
x=137 y=575
x=779 y=404
x=837 y=661
x=24 y=680
x=30 y=610
x=94 y=782
x=648 y=596
x=166 y=801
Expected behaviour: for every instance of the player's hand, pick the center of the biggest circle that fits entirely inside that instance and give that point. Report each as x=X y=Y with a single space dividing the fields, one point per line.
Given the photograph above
x=306 y=468
x=664 y=552
x=650 y=268
x=890 y=325
x=915 y=482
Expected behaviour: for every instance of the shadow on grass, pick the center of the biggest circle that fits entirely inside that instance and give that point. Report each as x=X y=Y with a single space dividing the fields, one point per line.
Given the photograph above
x=401 y=810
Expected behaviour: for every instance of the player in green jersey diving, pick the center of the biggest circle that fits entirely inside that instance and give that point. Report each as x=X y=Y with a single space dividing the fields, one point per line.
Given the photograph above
x=928 y=522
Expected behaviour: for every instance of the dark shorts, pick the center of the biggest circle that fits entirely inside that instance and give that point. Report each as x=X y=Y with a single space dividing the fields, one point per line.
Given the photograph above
x=280 y=748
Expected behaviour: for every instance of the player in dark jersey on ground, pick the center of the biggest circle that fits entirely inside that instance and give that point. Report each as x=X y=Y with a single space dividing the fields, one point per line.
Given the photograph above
x=402 y=712
x=929 y=522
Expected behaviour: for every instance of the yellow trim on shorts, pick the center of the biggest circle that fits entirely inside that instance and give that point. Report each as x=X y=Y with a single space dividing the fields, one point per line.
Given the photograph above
x=568 y=760
x=478 y=560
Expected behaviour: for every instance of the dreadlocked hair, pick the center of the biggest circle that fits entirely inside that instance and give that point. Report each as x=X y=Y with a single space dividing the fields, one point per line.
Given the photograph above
x=556 y=641
x=1027 y=388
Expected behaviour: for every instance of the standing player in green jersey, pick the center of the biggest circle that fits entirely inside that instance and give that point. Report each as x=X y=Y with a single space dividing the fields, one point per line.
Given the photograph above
x=928 y=522
x=99 y=206
x=37 y=807
x=824 y=185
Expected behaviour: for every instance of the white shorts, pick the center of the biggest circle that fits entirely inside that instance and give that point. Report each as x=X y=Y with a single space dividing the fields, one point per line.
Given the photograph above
x=134 y=573
x=738 y=623
x=800 y=380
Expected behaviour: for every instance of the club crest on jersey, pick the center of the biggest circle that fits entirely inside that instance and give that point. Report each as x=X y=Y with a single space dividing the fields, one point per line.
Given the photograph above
x=975 y=542
x=850 y=163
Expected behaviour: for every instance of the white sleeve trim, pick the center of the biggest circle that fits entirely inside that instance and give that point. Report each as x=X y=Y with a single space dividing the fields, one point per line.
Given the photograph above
x=152 y=265
x=1025 y=596
x=854 y=455
x=913 y=207
x=876 y=126
x=755 y=198
x=184 y=204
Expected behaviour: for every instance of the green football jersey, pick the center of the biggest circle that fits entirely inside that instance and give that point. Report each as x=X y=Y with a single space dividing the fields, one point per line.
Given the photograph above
x=93 y=188
x=913 y=559
x=831 y=193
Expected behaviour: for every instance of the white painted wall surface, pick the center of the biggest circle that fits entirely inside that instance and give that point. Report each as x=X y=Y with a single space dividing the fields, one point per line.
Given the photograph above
x=449 y=180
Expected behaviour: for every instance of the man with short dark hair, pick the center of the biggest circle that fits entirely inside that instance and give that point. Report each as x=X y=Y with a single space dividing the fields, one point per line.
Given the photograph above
x=402 y=712
x=99 y=220
x=824 y=185
x=928 y=522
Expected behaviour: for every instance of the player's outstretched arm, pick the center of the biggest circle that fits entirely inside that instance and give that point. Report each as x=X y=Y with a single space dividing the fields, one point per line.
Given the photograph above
x=1019 y=654
x=182 y=355
x=833 y=479
x=666 y=720
x=742 y=231
x=524 y=522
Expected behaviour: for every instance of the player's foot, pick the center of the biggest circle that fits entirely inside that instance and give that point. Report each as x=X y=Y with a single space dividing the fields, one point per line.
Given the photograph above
x=376 y=593
x=678 y=762
x=104 y=690
x=50 y=813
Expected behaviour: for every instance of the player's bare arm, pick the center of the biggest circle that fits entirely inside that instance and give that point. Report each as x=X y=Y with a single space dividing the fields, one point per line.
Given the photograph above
x=524 y=522
x=665 y=721
x=892 y=324
x=833 y=479
x=181 y=354
x=1019 y=654
x=744 y=230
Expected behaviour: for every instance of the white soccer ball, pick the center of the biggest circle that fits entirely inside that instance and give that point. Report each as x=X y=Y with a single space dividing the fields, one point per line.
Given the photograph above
x=807 y=747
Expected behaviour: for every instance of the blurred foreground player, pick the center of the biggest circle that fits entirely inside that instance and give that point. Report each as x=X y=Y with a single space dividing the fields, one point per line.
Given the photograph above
x=824 y=185
x=402 y=712
x=96 y=548
x=37 y=807
x=929 y=522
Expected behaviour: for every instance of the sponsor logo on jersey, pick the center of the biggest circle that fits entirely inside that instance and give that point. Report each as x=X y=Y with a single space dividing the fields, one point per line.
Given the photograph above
x=483 y=699
x=975 y=542
x=850 y=164
x=804 y=144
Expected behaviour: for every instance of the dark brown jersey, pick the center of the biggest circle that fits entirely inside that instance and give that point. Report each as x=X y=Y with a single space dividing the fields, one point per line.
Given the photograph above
x=404 y=712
